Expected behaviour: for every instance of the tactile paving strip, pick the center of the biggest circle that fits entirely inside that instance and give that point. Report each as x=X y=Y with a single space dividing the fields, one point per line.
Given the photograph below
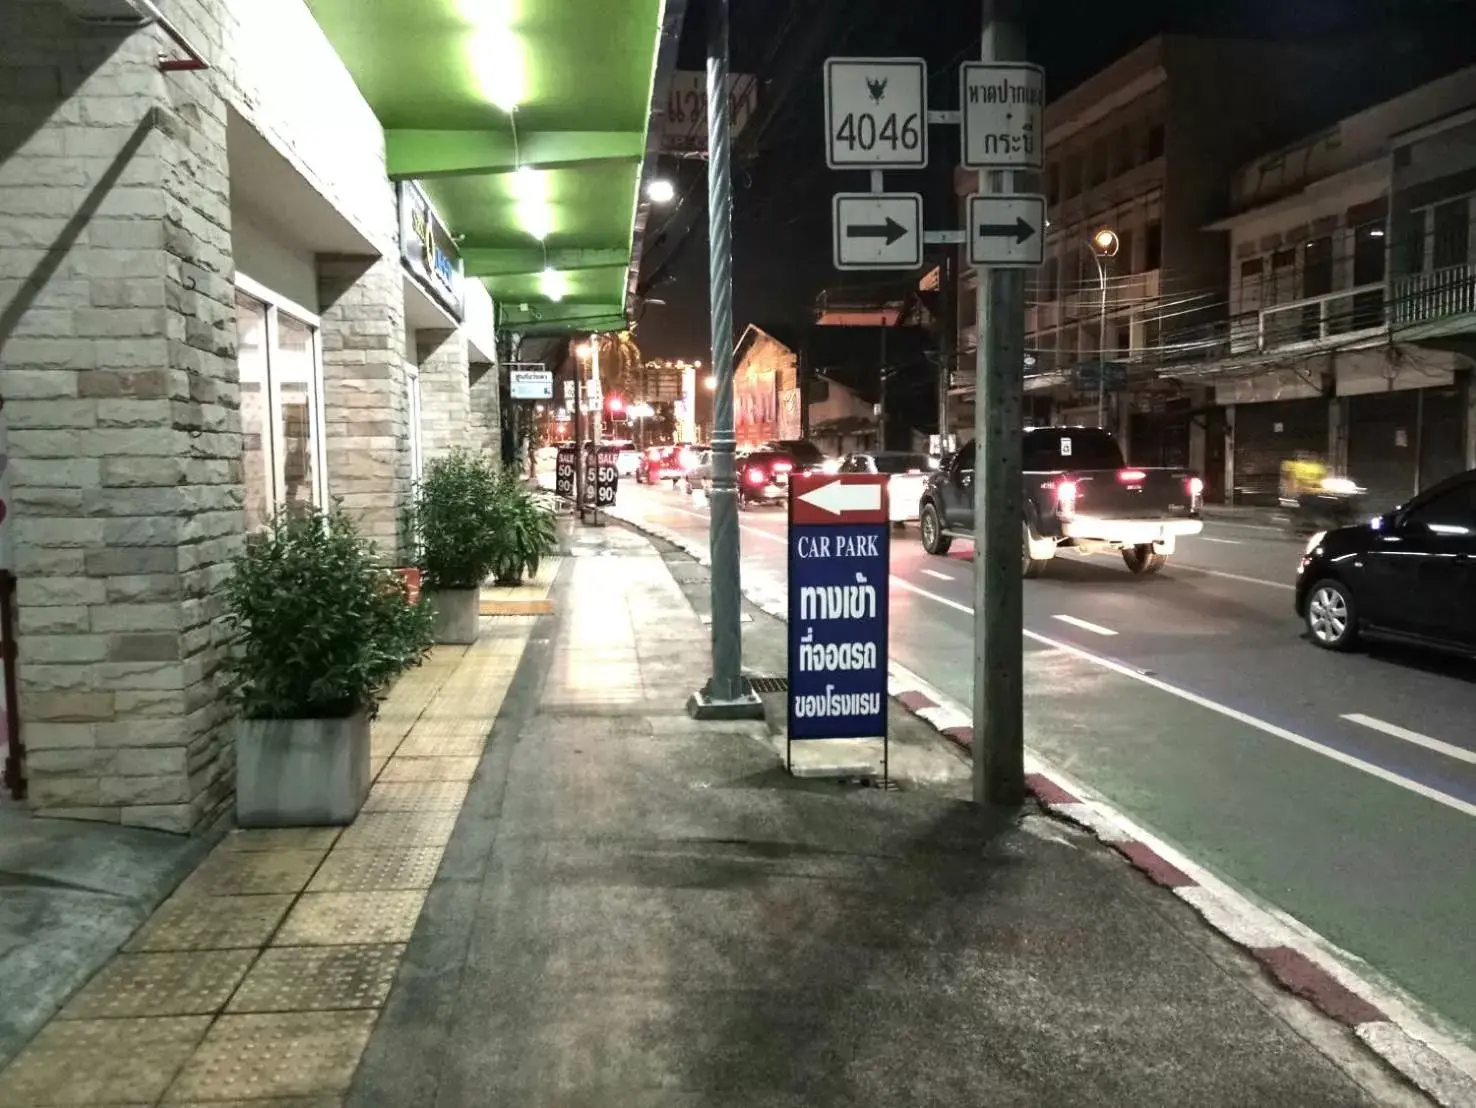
x=251 y=872
x=340 y=919
x=439 y=746
x=127 y=1060
x=281 y=838
x=374 y=830
x=451 y=729
x=211 y=923
x=417 y=796
x=309 y=978
x=184 y=984
x=252 y=1057
x=362 y=871
x=429 y=769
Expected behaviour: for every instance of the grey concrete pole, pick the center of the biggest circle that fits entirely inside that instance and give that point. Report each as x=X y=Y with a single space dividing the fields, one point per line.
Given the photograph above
x=727 y=694
x=1101 y=342
x=999 y=724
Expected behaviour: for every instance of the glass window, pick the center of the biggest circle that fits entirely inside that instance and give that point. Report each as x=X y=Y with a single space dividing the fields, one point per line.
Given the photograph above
x=1153 y=246
x=1125 y=251
x=1099 y=161
x=1453 y=512
x=1408 y=247
x=280 y=416
x=1155 y=141
x=1122 y=151
x=1071 y=185
x=1452 y=238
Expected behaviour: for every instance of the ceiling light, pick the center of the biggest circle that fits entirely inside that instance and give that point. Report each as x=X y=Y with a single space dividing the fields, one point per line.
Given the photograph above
x=661 y=191
x=494 y=50
x=555 y=284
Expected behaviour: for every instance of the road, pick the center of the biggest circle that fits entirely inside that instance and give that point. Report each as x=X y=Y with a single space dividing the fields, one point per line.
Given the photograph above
x=1338 y=788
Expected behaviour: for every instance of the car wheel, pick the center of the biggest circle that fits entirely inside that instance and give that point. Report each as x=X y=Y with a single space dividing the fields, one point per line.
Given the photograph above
x=933 y=539
x=1142 y=560
x=1029 y=567
x=1331 y=619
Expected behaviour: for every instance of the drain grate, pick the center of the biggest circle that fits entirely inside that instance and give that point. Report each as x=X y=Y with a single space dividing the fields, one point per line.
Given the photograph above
x=769 y=684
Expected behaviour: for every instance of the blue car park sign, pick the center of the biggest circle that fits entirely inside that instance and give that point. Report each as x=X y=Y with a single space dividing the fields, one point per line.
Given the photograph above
x=839 y=567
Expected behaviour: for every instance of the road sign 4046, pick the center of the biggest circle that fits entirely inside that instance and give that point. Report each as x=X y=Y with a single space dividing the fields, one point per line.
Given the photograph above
x=876 y=113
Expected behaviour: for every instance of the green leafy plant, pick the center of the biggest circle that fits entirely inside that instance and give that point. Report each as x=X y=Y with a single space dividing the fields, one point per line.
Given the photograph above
x=523 y=531
x=454 y=519
x=319 y=626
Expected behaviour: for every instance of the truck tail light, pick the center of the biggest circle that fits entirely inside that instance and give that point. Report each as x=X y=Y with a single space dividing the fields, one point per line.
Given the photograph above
x=782 y=467
x=1131 y=476
x=1066 y=496
x=1196 y=487
x=754 y=475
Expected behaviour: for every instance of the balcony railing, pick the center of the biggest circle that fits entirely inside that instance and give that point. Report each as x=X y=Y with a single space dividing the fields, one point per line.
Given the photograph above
x=1311 y=321
x=1419 y=297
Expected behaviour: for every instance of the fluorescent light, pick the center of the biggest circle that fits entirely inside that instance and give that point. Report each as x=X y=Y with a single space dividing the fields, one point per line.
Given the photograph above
x=495 y=51
x=530 y=188
x=555 y=284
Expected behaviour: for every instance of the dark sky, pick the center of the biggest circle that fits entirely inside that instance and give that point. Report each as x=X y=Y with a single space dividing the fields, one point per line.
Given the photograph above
x=782 y=188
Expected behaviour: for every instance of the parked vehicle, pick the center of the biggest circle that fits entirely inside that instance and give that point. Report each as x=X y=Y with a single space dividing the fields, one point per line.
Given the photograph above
x=699 y=476
x=908 y=478
x=1409 y=574
x=763 y=477
x=1079 y=494
x=628 y=460
x=806 y=456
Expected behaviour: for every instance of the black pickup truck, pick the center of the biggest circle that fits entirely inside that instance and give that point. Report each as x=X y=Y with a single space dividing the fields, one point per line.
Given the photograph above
x=1079 y=494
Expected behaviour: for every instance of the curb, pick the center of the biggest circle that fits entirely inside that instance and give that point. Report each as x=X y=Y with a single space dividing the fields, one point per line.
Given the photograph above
x=1290 y=954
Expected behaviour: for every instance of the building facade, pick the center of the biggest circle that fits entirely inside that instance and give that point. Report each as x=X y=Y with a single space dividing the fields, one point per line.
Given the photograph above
x=215 y=302
x=1350 y=283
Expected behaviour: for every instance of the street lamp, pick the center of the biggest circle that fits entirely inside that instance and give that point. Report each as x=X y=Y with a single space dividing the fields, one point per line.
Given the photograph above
x=1104 y=244
x=661 y=191
x=711 y=382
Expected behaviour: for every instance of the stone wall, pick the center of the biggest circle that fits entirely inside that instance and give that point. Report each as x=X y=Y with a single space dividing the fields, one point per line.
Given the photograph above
x=118 y=358
x=485 y=410
x=444 y=391
x=366 y=421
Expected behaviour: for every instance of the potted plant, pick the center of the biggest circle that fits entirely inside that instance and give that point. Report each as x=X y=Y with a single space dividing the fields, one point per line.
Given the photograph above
x=453 y=520
x=523 y=532
x=319 y=629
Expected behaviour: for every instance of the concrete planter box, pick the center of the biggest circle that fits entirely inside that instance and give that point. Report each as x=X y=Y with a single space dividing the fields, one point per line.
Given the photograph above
x=458 y=615
x=301 y=772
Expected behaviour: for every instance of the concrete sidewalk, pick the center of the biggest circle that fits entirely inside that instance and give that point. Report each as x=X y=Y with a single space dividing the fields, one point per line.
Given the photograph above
x=637 y=910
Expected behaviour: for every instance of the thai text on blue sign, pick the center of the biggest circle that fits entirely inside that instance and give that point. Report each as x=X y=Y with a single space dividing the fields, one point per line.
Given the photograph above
x=839 y=558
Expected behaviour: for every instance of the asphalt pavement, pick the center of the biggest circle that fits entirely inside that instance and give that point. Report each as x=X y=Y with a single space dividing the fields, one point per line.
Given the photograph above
x=1338 y=789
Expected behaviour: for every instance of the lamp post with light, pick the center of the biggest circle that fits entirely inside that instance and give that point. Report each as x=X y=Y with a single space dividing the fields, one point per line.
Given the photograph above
x=1104 y=244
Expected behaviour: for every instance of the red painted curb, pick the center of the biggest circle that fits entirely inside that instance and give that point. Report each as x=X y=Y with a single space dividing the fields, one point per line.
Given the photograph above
x=1047 y=791
x=1298 y=973
x=964 y=736
x=915 y=701
x=1145 y=859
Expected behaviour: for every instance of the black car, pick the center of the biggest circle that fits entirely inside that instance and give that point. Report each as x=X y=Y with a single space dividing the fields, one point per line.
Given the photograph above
x=763 y=477
x=805 y=456
x=1408 y=575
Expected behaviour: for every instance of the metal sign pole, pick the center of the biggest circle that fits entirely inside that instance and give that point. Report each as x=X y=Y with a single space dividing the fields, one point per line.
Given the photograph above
x=999 y=727
x=579 y=475
x=728 y=694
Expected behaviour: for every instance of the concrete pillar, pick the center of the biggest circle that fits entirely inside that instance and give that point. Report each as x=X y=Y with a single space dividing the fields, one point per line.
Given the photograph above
x=1229 y=453
x=123 y=406
x=1337 y=435
x=366 y=419
x=444 y=392
x=485 y=416
x=1197 y=445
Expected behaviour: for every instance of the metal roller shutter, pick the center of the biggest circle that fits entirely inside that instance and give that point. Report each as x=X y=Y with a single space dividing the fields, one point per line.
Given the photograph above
x=1268 y=434
x=1442 y=435
x=1383 y=441
x=1160 y=438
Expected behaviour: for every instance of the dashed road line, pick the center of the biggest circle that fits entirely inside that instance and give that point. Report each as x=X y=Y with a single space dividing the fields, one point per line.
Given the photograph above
x=1459 y=753
x=1094 y=628
x=939 y=576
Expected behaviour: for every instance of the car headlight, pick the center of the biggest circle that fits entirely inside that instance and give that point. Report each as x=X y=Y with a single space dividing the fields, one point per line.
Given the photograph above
x=1314 y=542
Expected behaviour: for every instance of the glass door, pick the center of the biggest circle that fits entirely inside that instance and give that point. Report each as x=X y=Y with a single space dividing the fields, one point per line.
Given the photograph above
x=256 y=442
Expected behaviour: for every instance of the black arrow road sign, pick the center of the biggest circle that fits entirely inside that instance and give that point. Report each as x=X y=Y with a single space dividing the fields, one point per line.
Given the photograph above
x=1019 y=230
x=891 y=230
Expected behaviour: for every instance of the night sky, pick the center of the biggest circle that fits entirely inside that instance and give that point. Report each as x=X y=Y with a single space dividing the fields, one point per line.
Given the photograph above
x=782 y=187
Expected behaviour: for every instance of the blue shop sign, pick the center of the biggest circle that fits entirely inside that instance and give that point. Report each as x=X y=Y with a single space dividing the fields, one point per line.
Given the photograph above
x=428 y=250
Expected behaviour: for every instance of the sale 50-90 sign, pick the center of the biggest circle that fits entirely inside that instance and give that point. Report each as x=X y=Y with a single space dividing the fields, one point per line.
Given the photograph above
x=839 y=566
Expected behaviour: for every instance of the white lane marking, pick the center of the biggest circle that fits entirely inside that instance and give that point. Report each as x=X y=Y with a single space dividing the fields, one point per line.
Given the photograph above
x=759 y=531
x=1236 y=577
x=1094 y=628
x=1462 y=806
x=1459 y=753
x=939 y=576
x=1224 y=542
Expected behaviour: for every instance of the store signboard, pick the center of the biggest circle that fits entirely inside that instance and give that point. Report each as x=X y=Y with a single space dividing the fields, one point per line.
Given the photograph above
x=428 y=250
x=531 y=381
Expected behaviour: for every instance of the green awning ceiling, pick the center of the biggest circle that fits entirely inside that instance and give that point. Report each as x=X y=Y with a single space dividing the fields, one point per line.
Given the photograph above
x=439 y=74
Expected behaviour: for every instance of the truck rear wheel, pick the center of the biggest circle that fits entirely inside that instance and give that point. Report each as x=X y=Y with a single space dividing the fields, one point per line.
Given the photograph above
x=1029 y=567
x=1141 y=559
x=933 y=539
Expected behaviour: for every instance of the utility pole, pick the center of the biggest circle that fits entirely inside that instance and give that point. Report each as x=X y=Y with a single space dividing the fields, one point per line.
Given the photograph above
x=999 y=725
x=948 y=336
x=881 y=418
x=579 y=474
x=728 y=694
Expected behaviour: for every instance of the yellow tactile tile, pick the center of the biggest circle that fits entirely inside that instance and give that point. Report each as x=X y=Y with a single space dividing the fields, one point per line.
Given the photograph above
x=252 y=872
x=175 y=984
x=282 y=1054
x=211 y=923
x=416 y=796
x=429 y=769
x=383 y=870
x=319 y=978
x=110 y=1061
x=339 y=919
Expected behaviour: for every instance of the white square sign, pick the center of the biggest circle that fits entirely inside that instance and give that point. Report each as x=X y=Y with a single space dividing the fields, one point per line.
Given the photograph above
x=876 y=113
x=877 y=230
x=1003 y=115
x=1006 y=230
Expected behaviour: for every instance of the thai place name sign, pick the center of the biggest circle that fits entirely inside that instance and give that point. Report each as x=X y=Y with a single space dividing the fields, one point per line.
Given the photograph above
x=839 y=559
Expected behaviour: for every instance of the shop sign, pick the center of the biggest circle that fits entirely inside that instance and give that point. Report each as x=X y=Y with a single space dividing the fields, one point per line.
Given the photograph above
x=530 y=382
x=428 y=251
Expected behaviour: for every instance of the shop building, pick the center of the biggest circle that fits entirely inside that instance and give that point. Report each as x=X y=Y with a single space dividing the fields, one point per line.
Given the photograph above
x=1352 y=326
x=257 y=254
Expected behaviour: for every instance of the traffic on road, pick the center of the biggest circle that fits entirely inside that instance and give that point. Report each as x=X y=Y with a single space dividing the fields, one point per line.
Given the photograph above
x=1337 y=787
